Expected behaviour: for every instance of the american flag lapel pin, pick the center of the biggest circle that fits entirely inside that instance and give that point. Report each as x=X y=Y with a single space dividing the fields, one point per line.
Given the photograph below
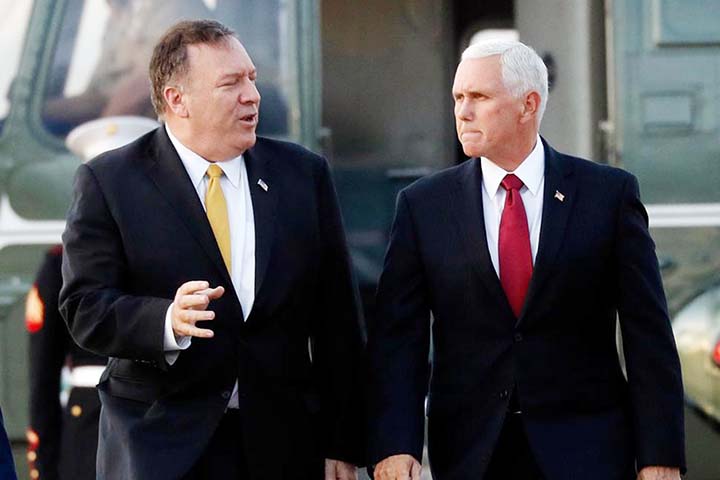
x=559 y=196
x=263 y=185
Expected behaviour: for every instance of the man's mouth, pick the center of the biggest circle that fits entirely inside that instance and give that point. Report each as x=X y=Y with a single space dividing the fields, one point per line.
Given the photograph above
x=470 y=134
x=250 y=118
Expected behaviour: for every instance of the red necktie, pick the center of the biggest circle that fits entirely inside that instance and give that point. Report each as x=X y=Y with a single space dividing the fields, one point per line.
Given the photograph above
x=514 y=246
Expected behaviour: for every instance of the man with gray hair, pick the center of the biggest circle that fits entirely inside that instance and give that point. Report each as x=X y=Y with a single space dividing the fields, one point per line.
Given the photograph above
x=525 y=257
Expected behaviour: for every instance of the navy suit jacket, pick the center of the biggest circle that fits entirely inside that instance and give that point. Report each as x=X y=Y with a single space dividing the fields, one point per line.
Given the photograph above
x=595 y=263
x=136 y=231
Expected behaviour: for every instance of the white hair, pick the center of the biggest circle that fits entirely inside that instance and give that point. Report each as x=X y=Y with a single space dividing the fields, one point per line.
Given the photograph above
x=523 y=70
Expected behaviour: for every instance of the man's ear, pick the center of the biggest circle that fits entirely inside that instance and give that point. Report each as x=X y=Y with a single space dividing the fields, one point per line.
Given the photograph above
x=175 y=101
x=531 y=106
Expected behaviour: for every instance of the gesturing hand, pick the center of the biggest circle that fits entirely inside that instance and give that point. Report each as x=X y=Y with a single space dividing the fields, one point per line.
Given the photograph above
x=189 y=307
x=659 y=473
x=339 y=470
x=398 y=467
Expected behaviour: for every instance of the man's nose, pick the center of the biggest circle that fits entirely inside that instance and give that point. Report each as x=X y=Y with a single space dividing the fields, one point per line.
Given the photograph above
x=250 y=93
x=463 y=110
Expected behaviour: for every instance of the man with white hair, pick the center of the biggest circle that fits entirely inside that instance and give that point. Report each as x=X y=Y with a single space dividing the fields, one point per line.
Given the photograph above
x=525 y=257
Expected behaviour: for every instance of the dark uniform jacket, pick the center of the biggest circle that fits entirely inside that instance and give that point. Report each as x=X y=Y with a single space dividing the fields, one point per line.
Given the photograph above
x=595 y=263
x=136 y=231
x=65 y=438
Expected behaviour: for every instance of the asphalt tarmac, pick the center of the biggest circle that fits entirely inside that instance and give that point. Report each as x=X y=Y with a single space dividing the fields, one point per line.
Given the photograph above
x=703 y=447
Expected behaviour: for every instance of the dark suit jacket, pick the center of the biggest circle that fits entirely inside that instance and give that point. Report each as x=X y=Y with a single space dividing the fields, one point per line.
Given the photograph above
x=136 y=231
x=595 y=261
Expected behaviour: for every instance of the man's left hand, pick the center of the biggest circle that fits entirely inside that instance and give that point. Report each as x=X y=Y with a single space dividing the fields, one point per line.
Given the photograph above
x=658 y=473
x=339 y=470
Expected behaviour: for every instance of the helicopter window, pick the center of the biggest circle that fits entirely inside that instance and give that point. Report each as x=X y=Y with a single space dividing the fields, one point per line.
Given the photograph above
x=13 y=25
x=101 y=58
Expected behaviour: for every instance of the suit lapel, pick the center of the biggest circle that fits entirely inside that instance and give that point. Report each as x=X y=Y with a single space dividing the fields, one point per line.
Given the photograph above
x=470 y=220
x=558 y=200
x=264 y=194
x=170 y=177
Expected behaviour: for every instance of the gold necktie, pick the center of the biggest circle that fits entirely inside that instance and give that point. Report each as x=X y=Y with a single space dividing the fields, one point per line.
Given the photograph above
x=217 y=213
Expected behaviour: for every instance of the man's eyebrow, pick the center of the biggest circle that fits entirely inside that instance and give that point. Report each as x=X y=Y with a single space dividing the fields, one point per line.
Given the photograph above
x=466 y=92
x=243 y=73
x=228 y=76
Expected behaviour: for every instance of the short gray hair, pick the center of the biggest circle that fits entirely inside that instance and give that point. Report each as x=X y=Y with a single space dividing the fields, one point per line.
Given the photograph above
x=523 y=70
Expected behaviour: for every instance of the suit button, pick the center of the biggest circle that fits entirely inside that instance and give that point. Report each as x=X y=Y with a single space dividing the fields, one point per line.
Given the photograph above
x=226 y=394
x=518 y=337
x=504 y=394
x=76 y=410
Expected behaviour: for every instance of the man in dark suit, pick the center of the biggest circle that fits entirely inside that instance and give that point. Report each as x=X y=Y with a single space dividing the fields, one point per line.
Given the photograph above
x=525 y=257
x=211 y=266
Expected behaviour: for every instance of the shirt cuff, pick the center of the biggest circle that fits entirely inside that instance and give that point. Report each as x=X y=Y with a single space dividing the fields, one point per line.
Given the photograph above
x=173 y=344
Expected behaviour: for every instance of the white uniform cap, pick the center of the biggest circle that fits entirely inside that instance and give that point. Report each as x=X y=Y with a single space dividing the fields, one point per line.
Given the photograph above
x=92 y=138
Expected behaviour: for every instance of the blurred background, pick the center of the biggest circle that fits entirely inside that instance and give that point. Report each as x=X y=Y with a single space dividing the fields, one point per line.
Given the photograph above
x=634 y=83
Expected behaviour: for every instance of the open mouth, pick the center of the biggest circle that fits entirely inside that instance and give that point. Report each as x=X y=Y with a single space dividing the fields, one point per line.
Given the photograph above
x=251 y=118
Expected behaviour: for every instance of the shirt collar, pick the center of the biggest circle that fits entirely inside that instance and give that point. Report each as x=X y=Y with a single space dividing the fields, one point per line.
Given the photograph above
x=531 y=171
x=196 y=166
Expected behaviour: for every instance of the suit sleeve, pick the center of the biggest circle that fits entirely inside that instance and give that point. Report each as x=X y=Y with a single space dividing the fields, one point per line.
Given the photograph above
x=338 y=340
x=652 y=362
x=102 y=317
x=49 y=340
x=398 y=347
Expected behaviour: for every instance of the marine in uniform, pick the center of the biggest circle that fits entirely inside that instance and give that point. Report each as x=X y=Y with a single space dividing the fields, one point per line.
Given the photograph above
x=63 y=432
x=62 y=437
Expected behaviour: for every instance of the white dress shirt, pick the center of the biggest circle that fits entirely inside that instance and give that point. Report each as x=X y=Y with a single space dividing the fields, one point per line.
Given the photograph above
x=236 y=189
x=532 y=173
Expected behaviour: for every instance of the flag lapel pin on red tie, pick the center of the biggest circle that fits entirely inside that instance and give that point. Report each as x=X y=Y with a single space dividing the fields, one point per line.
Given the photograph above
x=263 y=185
x=559 y=196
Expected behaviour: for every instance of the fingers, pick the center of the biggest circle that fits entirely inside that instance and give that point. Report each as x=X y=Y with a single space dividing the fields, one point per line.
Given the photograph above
x=339 y=470
x=190 y=330
x=199 y=299
x=415 y=471
x=392 y=471
x=396 y=474
x=349 y=474
x=330 y=469
x=398 y=467
x=190 y=306
x=193 y=286
x=183 y=322
x=346 y=471
x=195 y=302
x=213 y=293
x=193 y=316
